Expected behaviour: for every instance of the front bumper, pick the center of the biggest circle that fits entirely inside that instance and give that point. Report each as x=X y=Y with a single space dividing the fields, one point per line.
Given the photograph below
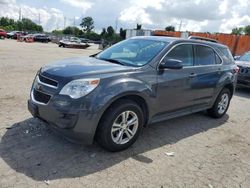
x=76 y=125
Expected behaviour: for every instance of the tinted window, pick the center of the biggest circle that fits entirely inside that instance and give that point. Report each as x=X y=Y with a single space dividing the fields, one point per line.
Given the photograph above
x=204 y=55
x=183 y=53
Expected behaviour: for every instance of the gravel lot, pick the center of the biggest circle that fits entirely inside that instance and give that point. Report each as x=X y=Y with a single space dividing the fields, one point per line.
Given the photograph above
x=207 y=152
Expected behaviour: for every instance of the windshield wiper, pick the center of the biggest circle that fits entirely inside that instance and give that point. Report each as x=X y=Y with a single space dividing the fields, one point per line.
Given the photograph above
x=113 y=61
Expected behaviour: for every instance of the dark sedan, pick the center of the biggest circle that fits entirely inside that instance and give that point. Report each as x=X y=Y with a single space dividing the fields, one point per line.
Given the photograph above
x=41 y=38
x=243 y=62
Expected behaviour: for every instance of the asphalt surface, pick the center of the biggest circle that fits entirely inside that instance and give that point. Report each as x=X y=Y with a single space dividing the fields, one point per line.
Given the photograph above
x=191 y=151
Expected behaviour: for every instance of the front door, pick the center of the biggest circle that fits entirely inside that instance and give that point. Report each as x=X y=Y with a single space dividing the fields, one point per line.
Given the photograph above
x=174 y=90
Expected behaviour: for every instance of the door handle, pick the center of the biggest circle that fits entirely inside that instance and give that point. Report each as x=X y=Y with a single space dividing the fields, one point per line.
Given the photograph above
x=192 y=75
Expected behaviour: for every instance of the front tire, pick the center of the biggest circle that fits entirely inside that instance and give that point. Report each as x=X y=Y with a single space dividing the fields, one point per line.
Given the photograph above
x=120 y=126
x=221 y=104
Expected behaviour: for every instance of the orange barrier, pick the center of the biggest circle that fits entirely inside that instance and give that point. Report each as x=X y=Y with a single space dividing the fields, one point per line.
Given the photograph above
x=238 y=44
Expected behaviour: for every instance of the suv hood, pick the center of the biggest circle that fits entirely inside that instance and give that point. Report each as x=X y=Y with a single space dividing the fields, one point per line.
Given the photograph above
x=81 y=66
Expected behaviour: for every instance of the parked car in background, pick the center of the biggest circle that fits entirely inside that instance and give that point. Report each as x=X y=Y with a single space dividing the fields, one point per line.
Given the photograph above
x=243 y=62
x=16 y=34
x=84 y=40
x=3 y=33
x=11 y=34
x=26 y=37
x=41 y=38
x=110 y=96
x=73 y=42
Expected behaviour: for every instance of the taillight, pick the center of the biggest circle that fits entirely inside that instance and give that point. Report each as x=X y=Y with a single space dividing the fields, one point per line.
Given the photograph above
x=237 y=70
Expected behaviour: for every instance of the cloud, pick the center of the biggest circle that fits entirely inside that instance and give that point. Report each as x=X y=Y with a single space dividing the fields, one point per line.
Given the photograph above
x=7 y=1
x=50 y=18
x=82 y=4
x=137 y=12
x=197 y=15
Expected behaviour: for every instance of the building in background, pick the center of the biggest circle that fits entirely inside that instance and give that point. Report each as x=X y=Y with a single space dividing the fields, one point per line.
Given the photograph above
x=133 y=33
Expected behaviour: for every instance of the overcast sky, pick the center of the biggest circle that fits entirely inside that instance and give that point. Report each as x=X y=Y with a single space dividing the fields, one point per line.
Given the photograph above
x=196 y=15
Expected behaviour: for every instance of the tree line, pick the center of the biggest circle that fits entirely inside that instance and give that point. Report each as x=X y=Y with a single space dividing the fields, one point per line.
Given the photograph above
x=24 y=24
x=241 y=30
x=87 y=31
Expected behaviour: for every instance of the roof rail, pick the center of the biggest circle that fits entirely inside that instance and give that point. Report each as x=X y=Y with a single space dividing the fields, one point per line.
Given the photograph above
x=202 y=38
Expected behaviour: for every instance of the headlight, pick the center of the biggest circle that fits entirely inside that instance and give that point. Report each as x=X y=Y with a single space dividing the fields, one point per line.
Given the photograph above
x=79 y=88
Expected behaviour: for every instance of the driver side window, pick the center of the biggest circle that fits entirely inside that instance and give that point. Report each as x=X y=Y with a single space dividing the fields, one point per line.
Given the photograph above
x=182 y=53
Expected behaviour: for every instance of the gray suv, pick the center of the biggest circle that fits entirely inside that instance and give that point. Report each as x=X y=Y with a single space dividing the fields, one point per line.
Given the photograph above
x=110 y=96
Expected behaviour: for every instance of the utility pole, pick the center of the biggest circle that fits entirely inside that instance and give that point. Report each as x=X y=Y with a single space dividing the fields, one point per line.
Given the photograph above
x=64 y=24
x=74 y=21
x=180 y=25
x=39 y=19
x=116 y=24
x=20 y=14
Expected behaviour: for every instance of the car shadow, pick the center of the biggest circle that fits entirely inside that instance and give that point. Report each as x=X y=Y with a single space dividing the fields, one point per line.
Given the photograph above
x=29 y=147
x=242 y=92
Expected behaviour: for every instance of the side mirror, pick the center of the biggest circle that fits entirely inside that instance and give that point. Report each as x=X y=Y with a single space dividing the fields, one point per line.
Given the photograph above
x=171 y=64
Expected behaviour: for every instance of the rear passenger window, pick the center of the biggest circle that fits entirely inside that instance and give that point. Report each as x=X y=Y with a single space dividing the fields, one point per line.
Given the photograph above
x=183 y=53
x=204 y=55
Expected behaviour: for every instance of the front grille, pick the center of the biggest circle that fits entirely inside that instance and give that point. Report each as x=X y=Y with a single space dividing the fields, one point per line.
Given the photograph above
x=41 y=97
x=48 y=81
x=244 y=70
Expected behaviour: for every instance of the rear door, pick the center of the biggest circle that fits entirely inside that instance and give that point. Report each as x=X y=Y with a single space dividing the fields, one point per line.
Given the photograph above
x=206 y=74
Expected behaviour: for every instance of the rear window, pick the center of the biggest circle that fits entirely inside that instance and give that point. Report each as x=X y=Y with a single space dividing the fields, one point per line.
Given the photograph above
x=204 y=56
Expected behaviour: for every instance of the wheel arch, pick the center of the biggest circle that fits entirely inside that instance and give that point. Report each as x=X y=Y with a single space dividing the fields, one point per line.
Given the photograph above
x=231 y=88
x=135 y=97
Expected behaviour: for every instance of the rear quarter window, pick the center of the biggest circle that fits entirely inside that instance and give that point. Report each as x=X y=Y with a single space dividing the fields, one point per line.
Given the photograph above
x=227 y=54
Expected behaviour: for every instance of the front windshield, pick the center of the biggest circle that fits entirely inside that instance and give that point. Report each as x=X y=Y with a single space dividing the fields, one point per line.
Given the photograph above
x=133 y=52
x=245 y=57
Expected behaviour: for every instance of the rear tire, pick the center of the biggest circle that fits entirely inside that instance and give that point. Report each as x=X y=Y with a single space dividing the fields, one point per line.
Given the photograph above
x=221 y=104
x=120 y=126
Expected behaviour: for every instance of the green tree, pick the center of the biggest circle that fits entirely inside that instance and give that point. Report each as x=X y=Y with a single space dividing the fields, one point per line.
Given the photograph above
x=110 y=31
x=87 y=24
x=92 y=36
x=57 y=32
x=23 y=25
x=122 y=33
x=104 y=32
x=170 y=28
x=238 y=31
x=72 y=31
x=138 y=26
x=247 y=30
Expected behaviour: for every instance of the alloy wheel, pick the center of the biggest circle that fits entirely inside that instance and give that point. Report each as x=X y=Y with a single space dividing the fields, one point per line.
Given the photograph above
x=124 y=127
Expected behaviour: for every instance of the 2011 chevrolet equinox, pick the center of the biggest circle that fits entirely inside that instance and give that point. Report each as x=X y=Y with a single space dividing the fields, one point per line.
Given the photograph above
x=110 y=96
